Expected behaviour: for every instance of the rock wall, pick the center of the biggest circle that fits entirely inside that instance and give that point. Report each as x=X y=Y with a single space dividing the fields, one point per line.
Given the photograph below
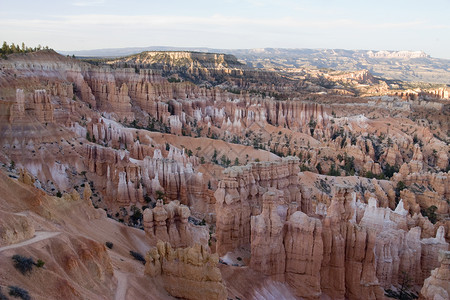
x=240 y=196
x=430 y=252
x=354 y=251
x=304 y=253
x=29 y=107
x=125 y=181
x=425 y=190
x=169 y=223
x=188 y=273
x=437 y=286
x=267 y=247
x=348 y=265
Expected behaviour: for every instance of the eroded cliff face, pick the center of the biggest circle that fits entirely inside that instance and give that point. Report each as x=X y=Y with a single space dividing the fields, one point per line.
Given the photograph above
x=353 y=249
x=240 y=196
x=303 y=244
x=267 y=247
x=437 y=286
x=119 y=160
x=329 y=195
x=190 y=273
x=72 y=90
x=169 y=223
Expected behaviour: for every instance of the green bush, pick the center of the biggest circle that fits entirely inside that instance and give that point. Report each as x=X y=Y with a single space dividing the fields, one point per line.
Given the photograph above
x=390 y=170
x=40 y=263
x=319 y=168
x=334 y=171
x=400 y=187
x=159 y=195
x=371 y=175
x=430 y=212
x=304 y=168
x=137 y=216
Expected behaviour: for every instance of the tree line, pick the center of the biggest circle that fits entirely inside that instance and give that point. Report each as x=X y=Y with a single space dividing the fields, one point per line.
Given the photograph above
x=9 y=49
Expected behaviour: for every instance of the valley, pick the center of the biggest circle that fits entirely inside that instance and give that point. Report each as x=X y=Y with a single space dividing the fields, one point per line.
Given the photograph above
x=199 y=175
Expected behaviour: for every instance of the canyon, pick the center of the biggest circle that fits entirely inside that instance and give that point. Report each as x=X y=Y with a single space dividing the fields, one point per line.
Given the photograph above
x=191 y=175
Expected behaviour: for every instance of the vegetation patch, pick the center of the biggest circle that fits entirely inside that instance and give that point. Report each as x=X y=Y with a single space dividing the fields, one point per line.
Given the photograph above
x=23 y=264
x=137 y=256
x=18 y=292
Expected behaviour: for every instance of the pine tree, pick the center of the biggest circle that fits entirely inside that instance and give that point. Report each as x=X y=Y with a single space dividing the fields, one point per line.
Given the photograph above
x=5 y=48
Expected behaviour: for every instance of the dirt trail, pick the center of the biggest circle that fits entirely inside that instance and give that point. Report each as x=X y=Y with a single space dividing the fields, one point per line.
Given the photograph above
x=122 y=284
x=39 y=236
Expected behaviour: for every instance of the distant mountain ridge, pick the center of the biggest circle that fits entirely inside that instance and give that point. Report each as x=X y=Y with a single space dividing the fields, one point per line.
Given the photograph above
x=187 y=59
x=400 y=65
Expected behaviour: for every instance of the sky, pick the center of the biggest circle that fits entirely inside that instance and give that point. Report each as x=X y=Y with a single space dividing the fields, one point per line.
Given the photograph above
x=230 y=24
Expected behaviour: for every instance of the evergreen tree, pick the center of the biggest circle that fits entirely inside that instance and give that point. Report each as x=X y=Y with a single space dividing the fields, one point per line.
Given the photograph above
x=5 y=47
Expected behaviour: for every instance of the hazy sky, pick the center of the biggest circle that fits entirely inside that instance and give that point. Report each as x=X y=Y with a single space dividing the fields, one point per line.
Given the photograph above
x=358 y=24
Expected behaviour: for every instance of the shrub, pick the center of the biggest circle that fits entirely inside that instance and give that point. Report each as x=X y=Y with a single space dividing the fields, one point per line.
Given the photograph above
x=147 y=198
x=319 y=168
x=349 y=165
x=390 y=170
x=403 y=292
x=2 y=296
x=400 y=187
x=137 y=256
x=109 y=245
x=18 y=292
x=430 y=212
x=304 y=168
x=23 y=264
x=159 y=195
x=371 y=175
x=59 y=194
x=40 y=263
x=333 y=171
x=137 y=216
